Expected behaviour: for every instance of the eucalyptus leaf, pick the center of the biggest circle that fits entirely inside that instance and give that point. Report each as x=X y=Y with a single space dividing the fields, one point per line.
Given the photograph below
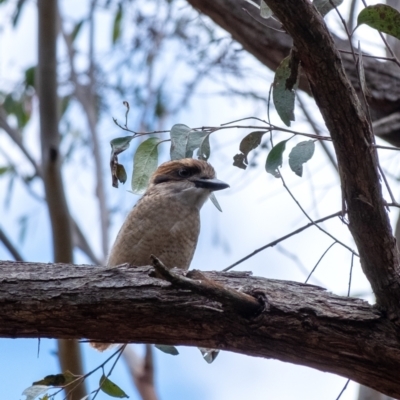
x=110 y=388
x=179 y=139
x=250 y=142
x=194 y=141
x=172 y=350
x=121 y=173
x=215 y=201
x=382 y=18
x=283 y=96
x=275 y=159
x=204 y=148
x=300 y=154
x=265 y=11
x=209 y=354
x=32 y=392
x=145 y=162
x=118 y=145
x=117 y=25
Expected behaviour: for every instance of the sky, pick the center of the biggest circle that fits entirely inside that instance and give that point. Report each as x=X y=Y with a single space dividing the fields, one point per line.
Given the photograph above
x=256 y=210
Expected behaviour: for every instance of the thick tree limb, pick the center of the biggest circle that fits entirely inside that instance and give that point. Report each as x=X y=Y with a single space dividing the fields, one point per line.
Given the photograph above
x=270 y=46
x=353 y=142
x=301 y=324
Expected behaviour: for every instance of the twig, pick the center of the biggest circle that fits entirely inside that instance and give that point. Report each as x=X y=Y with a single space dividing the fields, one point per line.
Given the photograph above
x=321 y=229
x=369 y=55
x=320 y=259
x=269 y=127
x=387 y=185
x=385 y=147
x=275 y=242
x=344 y=388
x=351 y=272
x=10 y=247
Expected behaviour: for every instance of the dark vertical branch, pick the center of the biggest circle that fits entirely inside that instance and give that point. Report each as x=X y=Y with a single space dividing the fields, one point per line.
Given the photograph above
x=69 y=352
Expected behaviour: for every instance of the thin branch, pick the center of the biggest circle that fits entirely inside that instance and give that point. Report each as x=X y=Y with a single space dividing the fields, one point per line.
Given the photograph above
x=308 y=217
x=387 y=185
x=275 y=242
x=16 y=137
x=350 y=274
x=9 y=246
x=320 y=259
x=342 y=391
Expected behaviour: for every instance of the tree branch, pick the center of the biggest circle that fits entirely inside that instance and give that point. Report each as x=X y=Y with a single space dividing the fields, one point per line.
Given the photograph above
x=301 y=324
x=270 y=47
x=353 y=142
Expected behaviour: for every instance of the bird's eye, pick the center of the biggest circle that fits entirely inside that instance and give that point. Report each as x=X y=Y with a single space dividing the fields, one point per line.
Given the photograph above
x=184 y=173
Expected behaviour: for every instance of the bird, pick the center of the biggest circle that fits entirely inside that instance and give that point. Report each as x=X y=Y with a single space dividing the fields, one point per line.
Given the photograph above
x=165 y=222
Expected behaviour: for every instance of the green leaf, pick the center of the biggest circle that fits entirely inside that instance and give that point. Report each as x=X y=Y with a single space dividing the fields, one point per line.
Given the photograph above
x=283 y=96
x=274 y=159
x=118 y=145
x=215 y=202
x=324 y=6
x=34 y=391
x=265 y=11
x=76 y=30
x=121 y=173
x=30 y=77
x=110 y=388
x=64 y=104
x=204 y=148
x=381 y=17
x=172 y=350
x=4 y=170
x=145 y=162
x=194 y=141
x=300 y=154
x=17 y=107
x=179 y=139
x=117 y=25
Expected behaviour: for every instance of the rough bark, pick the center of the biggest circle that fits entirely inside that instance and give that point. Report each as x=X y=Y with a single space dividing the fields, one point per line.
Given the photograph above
x=353 y=142
x=270 y=46
x=301 y=324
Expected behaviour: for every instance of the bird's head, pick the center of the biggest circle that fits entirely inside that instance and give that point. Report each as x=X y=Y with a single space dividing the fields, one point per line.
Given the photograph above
x=188 y=180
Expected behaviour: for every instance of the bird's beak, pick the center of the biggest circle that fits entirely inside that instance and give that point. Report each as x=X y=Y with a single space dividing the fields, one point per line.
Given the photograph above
x=210 y=184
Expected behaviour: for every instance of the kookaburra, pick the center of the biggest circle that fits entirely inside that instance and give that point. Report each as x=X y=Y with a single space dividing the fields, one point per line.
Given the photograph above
x=166 y=220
